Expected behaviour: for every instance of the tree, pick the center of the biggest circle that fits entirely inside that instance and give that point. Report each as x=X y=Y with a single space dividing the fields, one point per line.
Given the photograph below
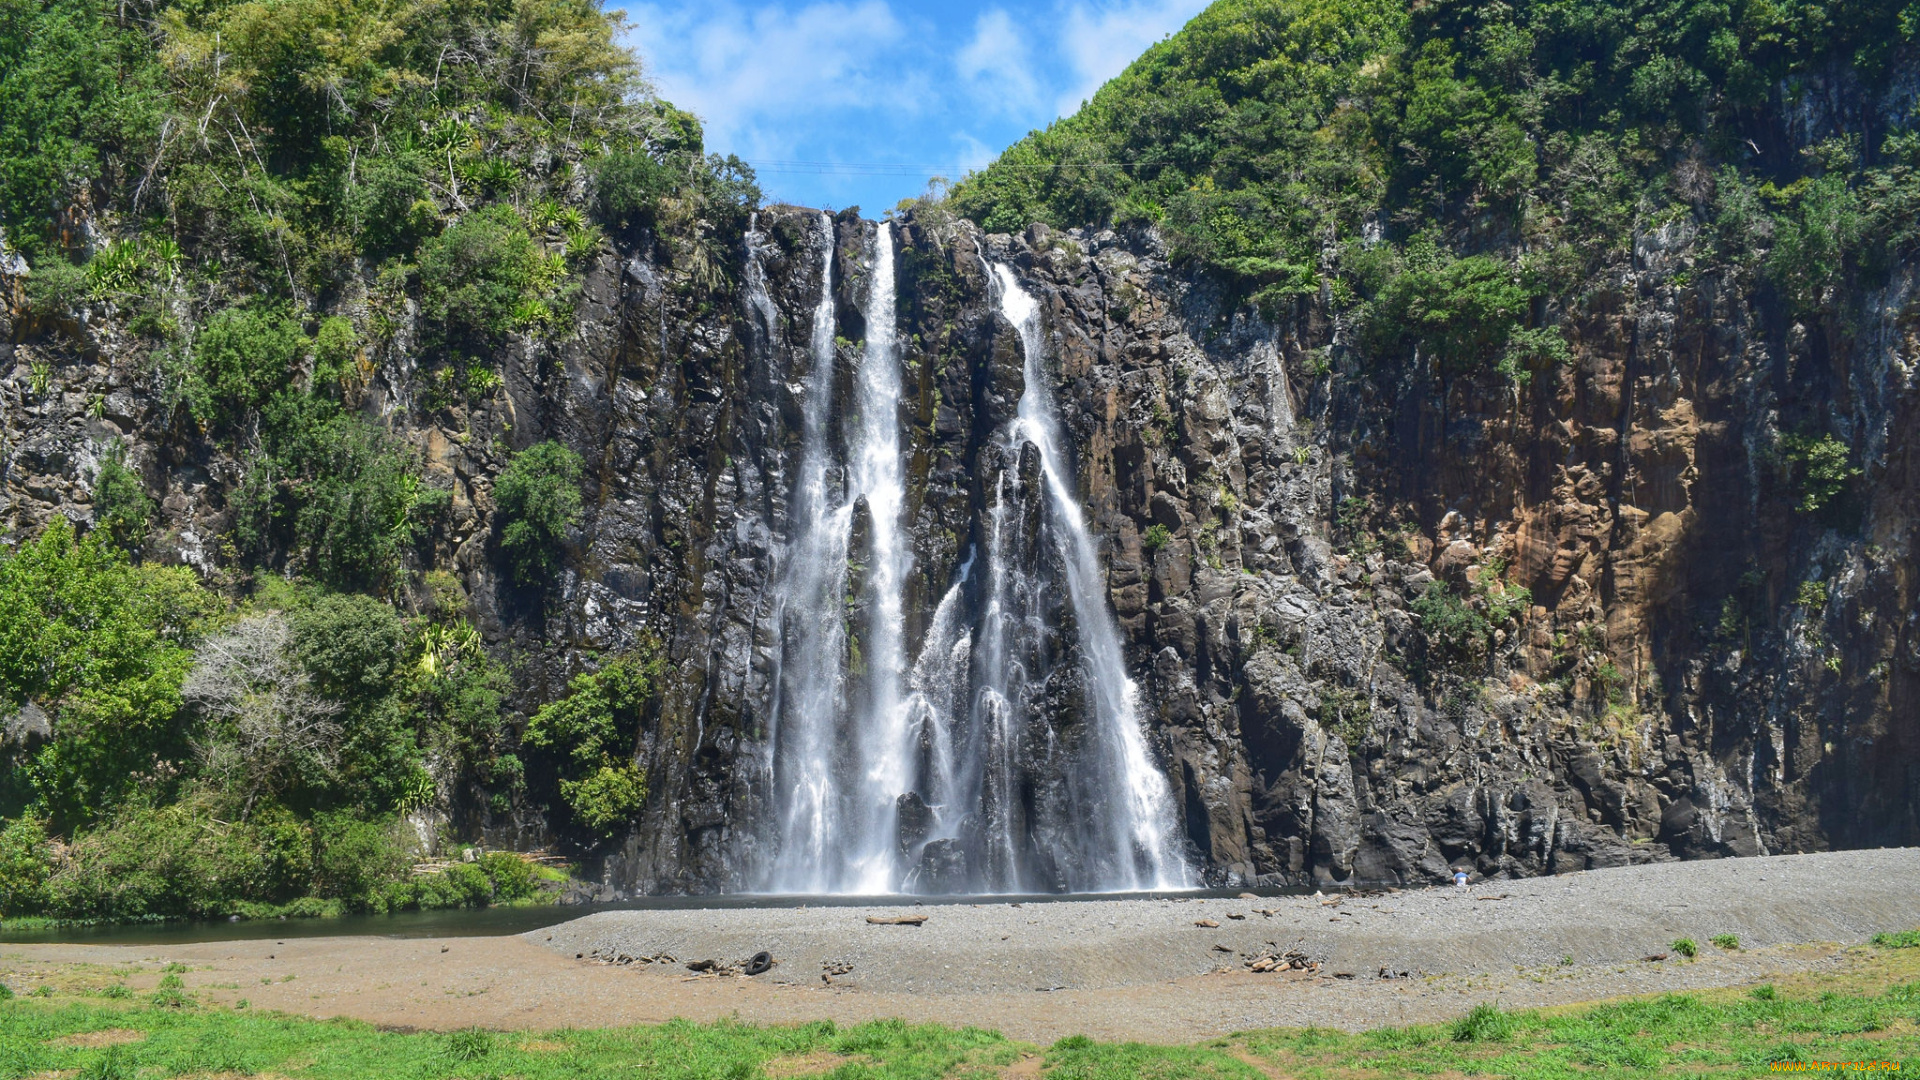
x=122 y=509
x=101 y=646
x=593 y=731
x=266 y=730
x=538 y=495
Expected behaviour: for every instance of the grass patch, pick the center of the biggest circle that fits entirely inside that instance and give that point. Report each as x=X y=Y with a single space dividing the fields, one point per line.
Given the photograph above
x=1726 y=941
x=1905 y=939
x=1686 y=947
x=1866 y=1010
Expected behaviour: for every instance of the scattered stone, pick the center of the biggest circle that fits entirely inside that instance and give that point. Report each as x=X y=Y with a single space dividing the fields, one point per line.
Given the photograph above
x=1290 y=960
x=1208 y=923
x=1217 y=947
x=703 y=965
x=1236 y=917
x=896 y=920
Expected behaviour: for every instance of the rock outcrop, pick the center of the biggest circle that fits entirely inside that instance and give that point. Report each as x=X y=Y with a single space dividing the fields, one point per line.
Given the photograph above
x=1275 y=509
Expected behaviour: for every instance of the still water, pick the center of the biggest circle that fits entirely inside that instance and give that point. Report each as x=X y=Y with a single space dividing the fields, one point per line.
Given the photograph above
x=496 y=921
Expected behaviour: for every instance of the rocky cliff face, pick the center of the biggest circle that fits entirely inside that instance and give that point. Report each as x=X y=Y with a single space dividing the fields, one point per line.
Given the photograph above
x=1273 y=513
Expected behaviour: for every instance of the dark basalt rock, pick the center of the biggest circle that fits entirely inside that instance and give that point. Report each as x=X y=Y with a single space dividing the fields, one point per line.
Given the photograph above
x=1308 y=731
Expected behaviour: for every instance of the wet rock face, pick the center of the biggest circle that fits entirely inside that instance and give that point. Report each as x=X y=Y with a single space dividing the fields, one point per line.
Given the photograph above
x=1272 y=508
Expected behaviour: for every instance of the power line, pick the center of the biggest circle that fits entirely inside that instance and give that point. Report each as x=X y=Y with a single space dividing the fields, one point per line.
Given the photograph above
x=885 y=168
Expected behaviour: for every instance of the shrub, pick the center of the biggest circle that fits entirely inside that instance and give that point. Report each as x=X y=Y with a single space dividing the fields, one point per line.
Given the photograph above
x=1686 y=947
x=607 y=797
x=336 y=355
x=391 y=209
x=190 y=859
x=512 y=876
x=1455 y=632
x=243 y=356
x=1461 y=313
x=1485 y=1023
x=1811 y=595
x=122 y=509
x=592 y=731
x=355 y=857
x=473 y=277
x=1726 y=941
x=26 y=858
x=1821 y=470
x=538 y=499
x=56 y=287
x=1904 y=939
x=350 y=644
x=344 y=496
x=628 y=187
x=1156 y=537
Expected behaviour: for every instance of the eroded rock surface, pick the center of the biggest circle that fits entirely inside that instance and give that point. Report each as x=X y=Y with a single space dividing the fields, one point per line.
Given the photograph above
x=1272 y=506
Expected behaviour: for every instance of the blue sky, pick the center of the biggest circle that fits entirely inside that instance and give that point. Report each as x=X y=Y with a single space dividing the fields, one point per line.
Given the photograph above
x=919 y=87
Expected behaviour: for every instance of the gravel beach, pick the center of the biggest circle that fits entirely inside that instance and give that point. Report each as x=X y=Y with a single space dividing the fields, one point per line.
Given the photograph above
x=1111 y=969
x=1595 y=917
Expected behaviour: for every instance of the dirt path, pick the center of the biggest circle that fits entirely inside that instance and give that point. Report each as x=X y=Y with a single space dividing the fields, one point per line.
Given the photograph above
x=959 y=970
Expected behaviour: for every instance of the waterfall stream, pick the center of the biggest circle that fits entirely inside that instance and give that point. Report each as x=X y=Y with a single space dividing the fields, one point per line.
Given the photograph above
x=921 y=776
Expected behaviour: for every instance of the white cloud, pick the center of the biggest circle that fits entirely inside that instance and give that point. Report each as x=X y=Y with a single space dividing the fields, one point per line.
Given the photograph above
x=998 y=67
x=756 y=77
x=1099 y=40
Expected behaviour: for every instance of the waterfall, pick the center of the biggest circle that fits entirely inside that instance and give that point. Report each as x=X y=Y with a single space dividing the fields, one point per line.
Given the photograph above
x=809 y=683
x=1123 y=817
x=839 y=728
x=878 y=474
x=895 y=773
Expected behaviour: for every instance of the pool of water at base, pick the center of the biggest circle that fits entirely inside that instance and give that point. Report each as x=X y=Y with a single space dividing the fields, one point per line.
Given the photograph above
x=498 y=921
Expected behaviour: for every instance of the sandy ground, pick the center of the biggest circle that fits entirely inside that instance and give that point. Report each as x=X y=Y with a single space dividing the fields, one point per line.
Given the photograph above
x=1138 y=969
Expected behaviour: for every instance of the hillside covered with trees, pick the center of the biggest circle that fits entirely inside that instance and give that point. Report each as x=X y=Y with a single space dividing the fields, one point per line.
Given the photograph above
x=265 y=201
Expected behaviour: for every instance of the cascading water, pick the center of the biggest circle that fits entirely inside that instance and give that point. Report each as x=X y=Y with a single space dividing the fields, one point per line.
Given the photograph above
x=809 y=685
x=878 y=474
x=890 y=776
x=840 y=758
x=1122 y=814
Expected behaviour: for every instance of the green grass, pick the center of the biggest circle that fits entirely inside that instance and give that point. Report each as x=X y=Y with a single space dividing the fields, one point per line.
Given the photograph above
x=188 y=1040
x=1905 y=939
x=1867 y=1010
x=1686 y=947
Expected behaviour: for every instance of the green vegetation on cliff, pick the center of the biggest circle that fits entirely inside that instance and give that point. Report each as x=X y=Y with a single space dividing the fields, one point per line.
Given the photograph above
x=276 y=198
x=1444 y=193
x=1438 y=167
